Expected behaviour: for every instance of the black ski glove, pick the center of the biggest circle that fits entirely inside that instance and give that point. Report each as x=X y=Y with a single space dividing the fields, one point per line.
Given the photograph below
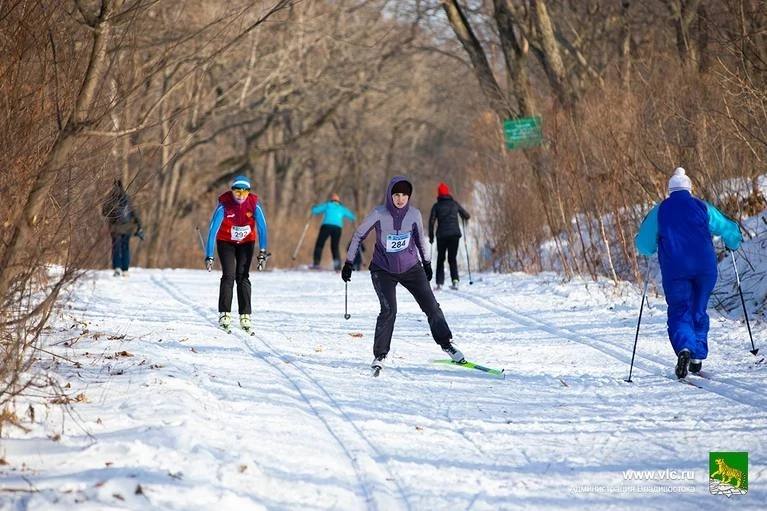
x=140 y=234
x=263 y=255
x=427 y=269
x=346 y=272
x=208 y=263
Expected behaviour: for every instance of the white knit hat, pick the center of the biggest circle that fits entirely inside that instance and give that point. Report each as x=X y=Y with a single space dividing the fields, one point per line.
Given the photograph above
x=679 y=181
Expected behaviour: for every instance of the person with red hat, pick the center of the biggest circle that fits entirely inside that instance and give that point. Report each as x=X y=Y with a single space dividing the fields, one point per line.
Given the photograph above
x=333 y=215
x=445 y=212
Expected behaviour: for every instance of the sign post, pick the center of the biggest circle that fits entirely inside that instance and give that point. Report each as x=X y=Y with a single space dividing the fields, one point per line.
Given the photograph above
x=522 y=133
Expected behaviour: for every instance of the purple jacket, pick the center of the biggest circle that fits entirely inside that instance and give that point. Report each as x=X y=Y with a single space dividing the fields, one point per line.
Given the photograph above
x=400 y=238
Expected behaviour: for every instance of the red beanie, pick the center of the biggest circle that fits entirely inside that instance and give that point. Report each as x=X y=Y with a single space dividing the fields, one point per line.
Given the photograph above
x=443 y=190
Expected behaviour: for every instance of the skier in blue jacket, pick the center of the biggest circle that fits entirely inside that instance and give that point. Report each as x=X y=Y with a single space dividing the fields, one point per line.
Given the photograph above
x=332 y=223
x=680 y=230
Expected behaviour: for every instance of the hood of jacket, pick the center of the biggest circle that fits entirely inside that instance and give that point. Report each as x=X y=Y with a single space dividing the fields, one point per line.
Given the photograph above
x=397 y=213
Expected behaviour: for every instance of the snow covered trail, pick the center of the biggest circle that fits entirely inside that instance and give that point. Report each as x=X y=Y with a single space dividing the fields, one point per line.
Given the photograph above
x=176 y=414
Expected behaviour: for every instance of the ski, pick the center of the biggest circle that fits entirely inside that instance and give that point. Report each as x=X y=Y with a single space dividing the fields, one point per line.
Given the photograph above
x=472 y=365
x=683 y=380
x=249 y=331
x=226 y=329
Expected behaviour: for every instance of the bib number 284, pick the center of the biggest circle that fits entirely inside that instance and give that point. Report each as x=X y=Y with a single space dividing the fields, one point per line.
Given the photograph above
x=397 y=242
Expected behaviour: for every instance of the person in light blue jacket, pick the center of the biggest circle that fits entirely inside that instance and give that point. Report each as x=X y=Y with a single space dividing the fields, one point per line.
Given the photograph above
x=333 y=214
x=680 y=230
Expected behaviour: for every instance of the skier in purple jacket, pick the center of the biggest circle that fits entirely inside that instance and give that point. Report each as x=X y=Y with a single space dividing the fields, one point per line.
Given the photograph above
x=399 y=258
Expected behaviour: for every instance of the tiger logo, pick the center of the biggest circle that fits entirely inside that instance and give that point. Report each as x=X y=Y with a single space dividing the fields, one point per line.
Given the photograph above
x=727 y=473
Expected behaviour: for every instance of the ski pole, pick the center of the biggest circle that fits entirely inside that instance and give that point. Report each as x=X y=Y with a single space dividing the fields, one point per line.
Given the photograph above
x=202 y=243
x=754 y=350
x=346 y=301
x=301 y=239
x=202 y=247
x=466 y=246
x=639 y=321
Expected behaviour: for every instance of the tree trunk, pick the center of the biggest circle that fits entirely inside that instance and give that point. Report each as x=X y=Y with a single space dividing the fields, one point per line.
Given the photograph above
x=482 y=70
x=683 y=14
x=625 y=47
x=63 y=147
x=552 y=57
x=515 y=53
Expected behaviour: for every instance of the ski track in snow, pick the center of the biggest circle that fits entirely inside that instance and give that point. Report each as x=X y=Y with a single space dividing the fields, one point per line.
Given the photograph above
x=290 y=418
x=728 y=388
x=379 y=485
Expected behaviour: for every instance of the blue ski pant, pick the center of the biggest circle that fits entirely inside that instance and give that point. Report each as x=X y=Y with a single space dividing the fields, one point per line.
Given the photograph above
x=687 y=300
x=121 y=251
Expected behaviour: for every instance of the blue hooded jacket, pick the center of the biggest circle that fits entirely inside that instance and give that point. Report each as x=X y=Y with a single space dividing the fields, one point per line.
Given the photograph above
x=680 y=230
x=334 y=213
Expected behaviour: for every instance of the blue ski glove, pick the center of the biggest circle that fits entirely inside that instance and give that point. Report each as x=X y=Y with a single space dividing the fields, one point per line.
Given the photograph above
x=346 y=272
x=427 y=269
x=209 y=263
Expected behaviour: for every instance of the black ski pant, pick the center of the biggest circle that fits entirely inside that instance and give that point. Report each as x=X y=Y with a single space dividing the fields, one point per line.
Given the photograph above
x=447 y=244
x=334 y=233
x=414 y=280
x=235 y=262
x=121 y=251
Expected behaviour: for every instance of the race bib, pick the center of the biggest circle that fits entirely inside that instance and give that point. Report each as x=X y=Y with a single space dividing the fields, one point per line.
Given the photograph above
x=397 y=242
x=239 y=233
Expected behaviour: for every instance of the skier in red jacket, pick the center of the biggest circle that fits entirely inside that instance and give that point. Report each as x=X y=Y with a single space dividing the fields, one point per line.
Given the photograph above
x=233 y=232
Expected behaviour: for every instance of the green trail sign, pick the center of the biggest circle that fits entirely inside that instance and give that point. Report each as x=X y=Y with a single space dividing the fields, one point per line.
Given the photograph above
x=523 y=132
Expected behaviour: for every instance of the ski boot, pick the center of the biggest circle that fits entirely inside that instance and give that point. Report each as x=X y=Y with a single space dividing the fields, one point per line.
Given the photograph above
x=245 y=323
x=695 y=365
x=438 y=287
x=454 y=352
x=454 y=285
x=377 y=364
x=118 y=272
x=682 y=364
x=225 y=321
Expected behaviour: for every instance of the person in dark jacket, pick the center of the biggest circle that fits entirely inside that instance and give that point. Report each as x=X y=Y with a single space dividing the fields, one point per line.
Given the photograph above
x=232 y=231
x=445 y=212
x=399 y=258
x=123 y=223
x=680 y=230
